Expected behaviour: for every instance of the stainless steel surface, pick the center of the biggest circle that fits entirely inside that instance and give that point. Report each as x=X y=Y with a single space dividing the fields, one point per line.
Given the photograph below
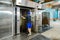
x=6 y=19
x=5 y=24
x=18 y=20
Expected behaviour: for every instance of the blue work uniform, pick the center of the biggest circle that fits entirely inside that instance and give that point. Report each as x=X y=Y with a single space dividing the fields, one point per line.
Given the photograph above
x=29 y=23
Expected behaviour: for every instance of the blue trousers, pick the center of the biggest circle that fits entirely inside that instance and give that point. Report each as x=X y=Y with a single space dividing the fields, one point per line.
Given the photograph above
x=29 y=25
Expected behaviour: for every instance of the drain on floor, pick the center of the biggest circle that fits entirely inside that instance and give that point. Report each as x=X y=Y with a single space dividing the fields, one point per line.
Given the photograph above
x=40 y=37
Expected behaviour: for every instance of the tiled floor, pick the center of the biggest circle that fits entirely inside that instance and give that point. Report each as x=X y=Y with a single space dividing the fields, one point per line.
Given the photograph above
x=25 y=37
x=40 y=37
x=22 y=36
x=53 y=33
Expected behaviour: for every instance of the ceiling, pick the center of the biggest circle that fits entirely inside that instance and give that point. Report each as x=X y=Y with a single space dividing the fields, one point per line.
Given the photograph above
x=46 y=1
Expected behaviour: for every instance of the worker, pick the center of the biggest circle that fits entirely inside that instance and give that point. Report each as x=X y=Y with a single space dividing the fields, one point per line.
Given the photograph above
x=29 y=23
